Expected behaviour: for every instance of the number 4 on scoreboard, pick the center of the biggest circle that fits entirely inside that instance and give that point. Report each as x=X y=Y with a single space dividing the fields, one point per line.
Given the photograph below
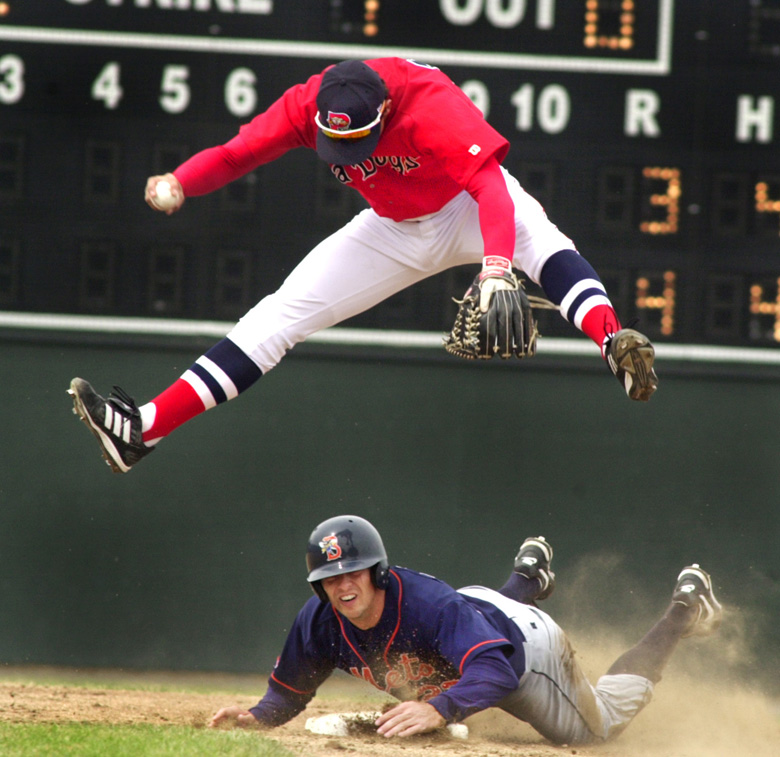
x=107 y=86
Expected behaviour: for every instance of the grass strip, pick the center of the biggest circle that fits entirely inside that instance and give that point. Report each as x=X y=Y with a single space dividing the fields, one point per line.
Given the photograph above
x=99 y=740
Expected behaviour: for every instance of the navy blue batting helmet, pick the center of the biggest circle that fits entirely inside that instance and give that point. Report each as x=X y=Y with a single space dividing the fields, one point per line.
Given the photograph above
x=345 y=544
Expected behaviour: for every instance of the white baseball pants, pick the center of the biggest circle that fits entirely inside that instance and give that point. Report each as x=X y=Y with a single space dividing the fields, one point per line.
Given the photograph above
x=372 y=258
x=554 y=696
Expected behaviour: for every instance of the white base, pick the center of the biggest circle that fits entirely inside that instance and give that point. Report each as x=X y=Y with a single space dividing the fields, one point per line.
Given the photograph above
x=338 y=724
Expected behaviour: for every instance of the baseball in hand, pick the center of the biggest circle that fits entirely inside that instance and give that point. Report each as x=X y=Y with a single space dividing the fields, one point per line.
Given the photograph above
x=164 y=199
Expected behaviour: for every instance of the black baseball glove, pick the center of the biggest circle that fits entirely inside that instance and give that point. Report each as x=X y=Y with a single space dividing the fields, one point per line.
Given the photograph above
x=494 y=317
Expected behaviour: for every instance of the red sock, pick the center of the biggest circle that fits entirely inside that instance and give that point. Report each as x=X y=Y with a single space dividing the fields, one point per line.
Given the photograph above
x=599 y=322
x=176 y=405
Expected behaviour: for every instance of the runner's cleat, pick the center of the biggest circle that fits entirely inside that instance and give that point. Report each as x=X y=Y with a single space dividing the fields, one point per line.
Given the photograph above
x=694 y=589
x=533 y=561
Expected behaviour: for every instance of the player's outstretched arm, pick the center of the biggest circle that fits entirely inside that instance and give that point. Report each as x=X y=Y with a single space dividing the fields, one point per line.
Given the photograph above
x=234 y=716
x=409 y=718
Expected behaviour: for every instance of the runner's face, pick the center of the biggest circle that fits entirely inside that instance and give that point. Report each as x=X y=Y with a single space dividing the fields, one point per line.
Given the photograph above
x=355 y=597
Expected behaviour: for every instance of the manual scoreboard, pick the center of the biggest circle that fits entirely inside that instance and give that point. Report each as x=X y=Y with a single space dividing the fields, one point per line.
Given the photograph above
x=647 y=129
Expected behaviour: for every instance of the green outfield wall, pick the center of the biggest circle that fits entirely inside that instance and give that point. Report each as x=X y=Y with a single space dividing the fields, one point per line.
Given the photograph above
x=195 y=560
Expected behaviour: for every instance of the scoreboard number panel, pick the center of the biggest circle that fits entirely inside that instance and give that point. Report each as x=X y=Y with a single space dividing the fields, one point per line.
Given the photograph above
x=648 y=130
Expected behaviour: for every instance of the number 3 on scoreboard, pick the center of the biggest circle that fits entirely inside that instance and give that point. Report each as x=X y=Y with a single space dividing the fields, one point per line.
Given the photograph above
x=11 y=79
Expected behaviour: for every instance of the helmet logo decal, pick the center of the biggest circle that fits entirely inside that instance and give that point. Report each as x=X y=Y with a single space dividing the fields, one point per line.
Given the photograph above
x=330 y=547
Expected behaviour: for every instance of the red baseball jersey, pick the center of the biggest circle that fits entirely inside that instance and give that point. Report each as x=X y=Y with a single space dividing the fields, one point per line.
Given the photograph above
x=434 y=141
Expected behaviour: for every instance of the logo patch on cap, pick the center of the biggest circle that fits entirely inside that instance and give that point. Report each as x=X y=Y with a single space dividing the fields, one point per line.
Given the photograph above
x=339 y=121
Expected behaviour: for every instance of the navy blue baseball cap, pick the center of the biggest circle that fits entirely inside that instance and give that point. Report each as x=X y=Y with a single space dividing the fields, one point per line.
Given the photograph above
x=349 y=113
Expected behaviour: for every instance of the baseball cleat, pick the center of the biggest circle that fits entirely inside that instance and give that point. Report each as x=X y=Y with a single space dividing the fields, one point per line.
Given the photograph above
x=115 y=422
x=630 y=357
x=694 y=589
x=533 y=561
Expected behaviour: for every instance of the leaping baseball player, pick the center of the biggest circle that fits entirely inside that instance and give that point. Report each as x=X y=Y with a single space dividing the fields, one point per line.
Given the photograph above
x=429 y=166
x=448 y=654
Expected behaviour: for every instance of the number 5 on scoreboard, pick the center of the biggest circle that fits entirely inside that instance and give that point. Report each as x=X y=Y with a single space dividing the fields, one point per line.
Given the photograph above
x=175 y=95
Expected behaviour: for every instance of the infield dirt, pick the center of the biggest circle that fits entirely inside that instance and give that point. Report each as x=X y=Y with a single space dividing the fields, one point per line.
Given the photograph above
x=688 y=718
